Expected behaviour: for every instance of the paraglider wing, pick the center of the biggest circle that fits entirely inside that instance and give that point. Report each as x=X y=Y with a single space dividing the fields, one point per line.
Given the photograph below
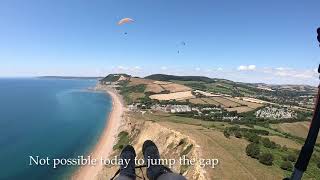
x=125 y=21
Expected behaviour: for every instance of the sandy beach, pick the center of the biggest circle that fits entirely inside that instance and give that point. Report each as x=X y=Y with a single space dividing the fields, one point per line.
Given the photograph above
x=105 y=144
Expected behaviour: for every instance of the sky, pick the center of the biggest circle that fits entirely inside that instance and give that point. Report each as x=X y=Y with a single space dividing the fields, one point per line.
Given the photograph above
x=268 y=41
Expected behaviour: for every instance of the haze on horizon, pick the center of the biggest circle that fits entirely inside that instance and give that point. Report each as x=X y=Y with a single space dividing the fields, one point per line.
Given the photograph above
x=247 y=41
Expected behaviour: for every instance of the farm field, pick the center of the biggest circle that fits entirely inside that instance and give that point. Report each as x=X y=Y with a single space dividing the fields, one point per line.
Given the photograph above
x=159 y=86
x=173 y=87
x=240 y=109
x=137 y=81
x=225 y=102
x=171 y=96
x=211 y=101
x=197 y=101
x=299 y=129
x=249 y=104
x=155 y=88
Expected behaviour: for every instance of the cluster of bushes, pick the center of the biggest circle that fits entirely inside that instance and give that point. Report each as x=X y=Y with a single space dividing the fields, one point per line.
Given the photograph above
x=226 y=133
x=125 y=90
x=234 y=130
x=287 y=162
x=253 y=150
x=130 y=89
x=268 y=144
x=147 y=102
x=252 y=137
x=249 y=134
x=266 y=159
x=286 y=165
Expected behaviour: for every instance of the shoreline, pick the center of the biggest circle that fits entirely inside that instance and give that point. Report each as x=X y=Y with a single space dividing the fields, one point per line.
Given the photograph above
x=104 y=146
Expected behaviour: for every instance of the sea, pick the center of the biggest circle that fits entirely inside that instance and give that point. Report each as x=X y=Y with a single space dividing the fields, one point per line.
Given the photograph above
x=48 y=118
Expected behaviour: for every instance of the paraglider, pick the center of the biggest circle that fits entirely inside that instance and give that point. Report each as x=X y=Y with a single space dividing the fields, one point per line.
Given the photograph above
x=125 y=21
x=181 y=44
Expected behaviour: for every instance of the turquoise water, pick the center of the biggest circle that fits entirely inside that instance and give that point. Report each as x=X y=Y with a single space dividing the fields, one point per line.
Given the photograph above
x=47 y=118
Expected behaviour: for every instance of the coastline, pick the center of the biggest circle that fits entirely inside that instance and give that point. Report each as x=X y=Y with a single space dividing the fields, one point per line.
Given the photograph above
x=104 y=146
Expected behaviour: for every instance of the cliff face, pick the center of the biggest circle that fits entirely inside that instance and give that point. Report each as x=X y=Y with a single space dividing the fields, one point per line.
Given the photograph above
x=171 y=144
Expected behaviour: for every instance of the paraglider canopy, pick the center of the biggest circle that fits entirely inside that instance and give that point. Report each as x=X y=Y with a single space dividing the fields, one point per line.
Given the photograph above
x=125 y=21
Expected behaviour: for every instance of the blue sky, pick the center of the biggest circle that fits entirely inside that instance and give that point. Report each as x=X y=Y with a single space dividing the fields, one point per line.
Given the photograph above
x=253 y=41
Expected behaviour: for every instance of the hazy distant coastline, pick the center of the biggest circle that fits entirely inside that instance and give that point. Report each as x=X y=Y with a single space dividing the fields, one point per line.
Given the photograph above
x=68 y=77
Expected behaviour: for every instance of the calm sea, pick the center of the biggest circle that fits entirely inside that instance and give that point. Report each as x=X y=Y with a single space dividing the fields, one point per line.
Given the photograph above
x=48 y=118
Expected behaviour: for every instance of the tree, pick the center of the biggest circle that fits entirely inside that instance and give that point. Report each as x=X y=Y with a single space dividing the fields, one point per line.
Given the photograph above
x=226 y=133
x=266 y=159
x=286 y=165
x=253 y=150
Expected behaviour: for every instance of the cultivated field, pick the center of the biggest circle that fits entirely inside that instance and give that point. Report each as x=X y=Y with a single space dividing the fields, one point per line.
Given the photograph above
x=197 y=101
x=137 y=81
x=159 y=86
x=155 y=88
x=251 y=105
x=299 y=129
x=211 y=101
x=172 y=87
x=254 y=100
x=161 y=82
x=171 y=96
x=225 y=102
x=240 y=109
